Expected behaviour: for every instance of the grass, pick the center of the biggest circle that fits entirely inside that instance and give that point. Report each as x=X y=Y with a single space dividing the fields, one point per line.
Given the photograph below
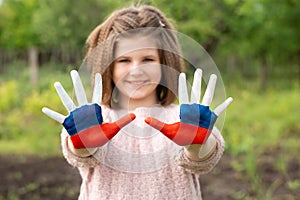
x=255 y=120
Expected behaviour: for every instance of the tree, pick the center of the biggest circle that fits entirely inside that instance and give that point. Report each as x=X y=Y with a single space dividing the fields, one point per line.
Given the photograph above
x=262 y=30
x=17 y=31
x=63 y=26
x=203 y=20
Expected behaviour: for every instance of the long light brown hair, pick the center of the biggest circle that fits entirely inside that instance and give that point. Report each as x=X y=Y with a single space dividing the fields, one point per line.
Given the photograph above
x=102 y=41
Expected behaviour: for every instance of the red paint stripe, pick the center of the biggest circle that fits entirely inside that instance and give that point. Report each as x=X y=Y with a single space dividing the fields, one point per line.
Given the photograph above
x=89 y=138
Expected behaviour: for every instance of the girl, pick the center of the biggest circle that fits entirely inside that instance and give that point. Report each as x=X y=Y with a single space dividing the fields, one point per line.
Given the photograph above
x=159 y=149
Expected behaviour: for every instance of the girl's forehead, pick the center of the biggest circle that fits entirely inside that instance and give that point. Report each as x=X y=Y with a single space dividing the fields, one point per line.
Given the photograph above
x=127 y=45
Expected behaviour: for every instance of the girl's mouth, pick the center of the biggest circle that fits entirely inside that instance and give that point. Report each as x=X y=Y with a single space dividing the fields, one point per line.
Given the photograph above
x=137 y=82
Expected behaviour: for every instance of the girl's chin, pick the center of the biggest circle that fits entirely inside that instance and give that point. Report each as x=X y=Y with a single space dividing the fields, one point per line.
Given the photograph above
x=137 y=96
x=141 y=94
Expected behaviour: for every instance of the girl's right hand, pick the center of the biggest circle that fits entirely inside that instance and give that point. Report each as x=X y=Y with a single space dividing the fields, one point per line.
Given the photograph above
x=84 y=123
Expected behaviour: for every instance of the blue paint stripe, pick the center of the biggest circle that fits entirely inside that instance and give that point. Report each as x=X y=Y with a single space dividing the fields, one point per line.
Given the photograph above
x=198 y=115
x=82 y=118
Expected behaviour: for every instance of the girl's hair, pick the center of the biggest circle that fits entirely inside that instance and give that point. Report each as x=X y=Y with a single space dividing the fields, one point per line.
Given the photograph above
x=102 y=40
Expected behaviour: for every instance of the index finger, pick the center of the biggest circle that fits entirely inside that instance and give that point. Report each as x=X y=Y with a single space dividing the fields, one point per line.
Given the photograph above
x=182 y=90
x=97 y=93
x=210 y=90
x=196 y=88
x=79 y=90
x=64 y=97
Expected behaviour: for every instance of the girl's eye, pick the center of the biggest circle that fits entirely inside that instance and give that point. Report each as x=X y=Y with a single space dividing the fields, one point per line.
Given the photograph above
x=123 y=60
x=148 y=60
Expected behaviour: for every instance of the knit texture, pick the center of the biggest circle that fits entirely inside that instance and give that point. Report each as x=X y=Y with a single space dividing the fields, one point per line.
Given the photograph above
x=140 y=162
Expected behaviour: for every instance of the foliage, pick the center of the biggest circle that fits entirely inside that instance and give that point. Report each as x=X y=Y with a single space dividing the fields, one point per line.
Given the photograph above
x=248 y=37
x=200 y=19
x=56 y=21
x=269 y=26
x=11 y=98
x=24 y=129
x=16 y=24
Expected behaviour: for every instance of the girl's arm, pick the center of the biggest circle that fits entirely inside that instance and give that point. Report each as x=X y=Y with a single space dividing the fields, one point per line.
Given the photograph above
x=203 y=165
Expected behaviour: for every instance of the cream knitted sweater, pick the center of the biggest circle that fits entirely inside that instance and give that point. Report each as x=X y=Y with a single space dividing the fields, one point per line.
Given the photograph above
x=140 y=162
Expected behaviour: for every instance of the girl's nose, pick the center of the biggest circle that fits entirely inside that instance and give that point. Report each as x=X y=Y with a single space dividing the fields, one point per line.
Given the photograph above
x=136 y=71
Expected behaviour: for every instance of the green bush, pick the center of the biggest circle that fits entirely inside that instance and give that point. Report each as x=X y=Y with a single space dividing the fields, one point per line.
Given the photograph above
x=8 y=95
x=24 y=128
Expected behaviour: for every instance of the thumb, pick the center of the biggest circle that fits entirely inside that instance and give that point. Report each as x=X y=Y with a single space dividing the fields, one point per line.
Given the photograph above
x=123 y=121
x=111 y=129
x=155 y=123
x=169 y=130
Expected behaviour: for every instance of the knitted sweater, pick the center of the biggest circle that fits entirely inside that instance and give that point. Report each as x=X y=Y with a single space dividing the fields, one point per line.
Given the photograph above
x=140 y=162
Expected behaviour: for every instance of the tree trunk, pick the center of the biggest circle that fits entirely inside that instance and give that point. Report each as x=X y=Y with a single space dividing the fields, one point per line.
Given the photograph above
x=299 y=74
x=263 y=74
x=299 y=67
x=33 y=65
x=231 y=64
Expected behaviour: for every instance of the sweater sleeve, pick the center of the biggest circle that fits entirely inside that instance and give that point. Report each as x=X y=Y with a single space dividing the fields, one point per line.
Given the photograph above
x=204 y=166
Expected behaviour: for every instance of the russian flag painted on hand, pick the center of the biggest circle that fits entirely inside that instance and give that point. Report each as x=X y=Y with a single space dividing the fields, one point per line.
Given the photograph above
x=83 y=118
x=196 y=123
x=87 y=130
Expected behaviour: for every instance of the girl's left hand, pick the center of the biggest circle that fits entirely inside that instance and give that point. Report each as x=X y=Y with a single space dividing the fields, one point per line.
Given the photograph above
x=196 y=120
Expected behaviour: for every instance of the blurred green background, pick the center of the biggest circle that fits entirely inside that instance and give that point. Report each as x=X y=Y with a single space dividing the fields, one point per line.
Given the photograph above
x=255 y=44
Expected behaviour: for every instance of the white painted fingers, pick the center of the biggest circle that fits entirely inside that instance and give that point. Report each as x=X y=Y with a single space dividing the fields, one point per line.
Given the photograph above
x=54 y=115
x=210 y=90
x=64 y=97
x=223 y=106
x=196 y=92
x=80 y=95
x=97 y=93
x=196 y=88
x=182 y=90
x=78 y=87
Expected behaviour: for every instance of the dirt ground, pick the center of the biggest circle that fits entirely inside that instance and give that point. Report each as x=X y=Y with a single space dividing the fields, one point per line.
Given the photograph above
x=27 y=177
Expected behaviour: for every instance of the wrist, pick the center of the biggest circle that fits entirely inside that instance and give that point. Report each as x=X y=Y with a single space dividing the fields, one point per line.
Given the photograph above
x=198 y=152
x=192 y=151
x=208 y=148
x=85 y=152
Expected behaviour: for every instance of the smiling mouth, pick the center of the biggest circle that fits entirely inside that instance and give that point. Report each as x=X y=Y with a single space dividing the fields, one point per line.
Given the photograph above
x=137 y=82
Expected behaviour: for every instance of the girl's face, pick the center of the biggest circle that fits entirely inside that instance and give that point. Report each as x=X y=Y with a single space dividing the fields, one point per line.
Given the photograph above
x=137 y=71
